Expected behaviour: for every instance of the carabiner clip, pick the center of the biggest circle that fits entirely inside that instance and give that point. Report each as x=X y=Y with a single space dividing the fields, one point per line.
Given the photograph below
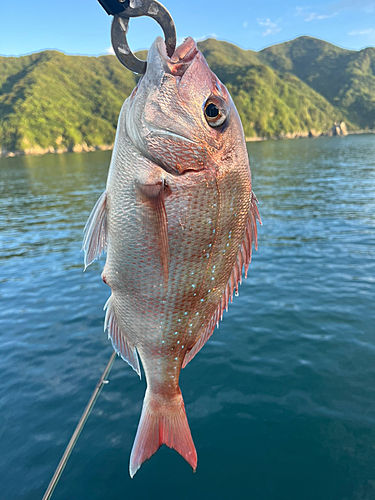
x=122 y=10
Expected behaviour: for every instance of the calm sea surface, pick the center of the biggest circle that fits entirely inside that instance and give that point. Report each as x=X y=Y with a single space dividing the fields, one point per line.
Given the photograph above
x=281 y=400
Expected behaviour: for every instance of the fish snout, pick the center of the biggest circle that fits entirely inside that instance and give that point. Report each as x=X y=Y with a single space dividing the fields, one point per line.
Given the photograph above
x=182 y=57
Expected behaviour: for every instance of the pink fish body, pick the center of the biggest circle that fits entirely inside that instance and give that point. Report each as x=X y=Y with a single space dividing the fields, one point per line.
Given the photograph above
x=178 y=220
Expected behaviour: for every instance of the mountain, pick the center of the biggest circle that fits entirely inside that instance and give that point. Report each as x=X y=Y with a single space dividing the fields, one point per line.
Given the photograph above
x=53 y=100
x=346 y=78
x=50 y=101
x=270 y=102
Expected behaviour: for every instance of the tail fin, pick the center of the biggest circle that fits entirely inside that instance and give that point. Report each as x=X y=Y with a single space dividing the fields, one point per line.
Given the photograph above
x=162 y=424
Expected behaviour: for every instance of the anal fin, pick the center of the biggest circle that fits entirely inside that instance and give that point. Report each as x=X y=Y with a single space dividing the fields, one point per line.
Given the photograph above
x=119 y=342
x=95 y=239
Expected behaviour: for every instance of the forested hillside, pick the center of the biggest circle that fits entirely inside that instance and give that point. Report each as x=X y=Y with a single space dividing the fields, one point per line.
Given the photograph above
x=53 y=102
x=346 y=78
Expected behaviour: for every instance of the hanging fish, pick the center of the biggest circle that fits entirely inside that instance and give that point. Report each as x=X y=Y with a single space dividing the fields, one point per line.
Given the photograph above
x=178 y=221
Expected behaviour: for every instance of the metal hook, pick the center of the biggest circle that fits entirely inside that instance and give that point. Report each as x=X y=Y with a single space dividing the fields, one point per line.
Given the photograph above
x=122 y=10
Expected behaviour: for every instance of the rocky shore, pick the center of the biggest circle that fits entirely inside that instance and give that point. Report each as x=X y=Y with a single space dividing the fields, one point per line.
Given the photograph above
x=337 y=130
x=38 y=151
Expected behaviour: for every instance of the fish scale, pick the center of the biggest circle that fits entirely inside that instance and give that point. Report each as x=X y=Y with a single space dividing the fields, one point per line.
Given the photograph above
x=178 y=220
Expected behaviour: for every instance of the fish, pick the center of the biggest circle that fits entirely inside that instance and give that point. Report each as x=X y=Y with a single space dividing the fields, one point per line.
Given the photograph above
x=178 y=220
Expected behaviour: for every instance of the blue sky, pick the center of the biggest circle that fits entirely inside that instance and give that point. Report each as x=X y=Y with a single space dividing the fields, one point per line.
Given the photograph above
x=83 y=27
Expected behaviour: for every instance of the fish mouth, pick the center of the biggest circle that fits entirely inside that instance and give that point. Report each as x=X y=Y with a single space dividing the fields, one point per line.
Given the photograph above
x=182 y=57
x=159 y=64
x=169 y=133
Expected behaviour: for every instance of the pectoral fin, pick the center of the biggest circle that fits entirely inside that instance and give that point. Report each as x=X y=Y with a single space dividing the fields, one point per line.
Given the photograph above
x=154 y=194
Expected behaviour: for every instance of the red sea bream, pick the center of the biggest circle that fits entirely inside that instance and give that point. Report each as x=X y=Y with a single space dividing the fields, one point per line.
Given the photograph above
x=178 y=221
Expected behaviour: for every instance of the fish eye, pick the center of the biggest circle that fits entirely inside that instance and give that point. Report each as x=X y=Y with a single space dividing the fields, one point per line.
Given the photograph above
x=215 y=111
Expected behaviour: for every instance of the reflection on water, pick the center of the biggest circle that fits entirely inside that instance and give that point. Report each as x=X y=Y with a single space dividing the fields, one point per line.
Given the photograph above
x=280 y=401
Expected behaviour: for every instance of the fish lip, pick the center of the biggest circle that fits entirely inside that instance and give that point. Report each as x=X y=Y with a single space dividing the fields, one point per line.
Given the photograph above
x=159 y=131
x=181 y=59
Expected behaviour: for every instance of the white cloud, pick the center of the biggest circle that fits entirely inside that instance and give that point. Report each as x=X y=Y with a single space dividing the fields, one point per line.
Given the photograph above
x=201 y=38
x=370 y=31
x=312 y=16
x=272 y=27
x=110 y=50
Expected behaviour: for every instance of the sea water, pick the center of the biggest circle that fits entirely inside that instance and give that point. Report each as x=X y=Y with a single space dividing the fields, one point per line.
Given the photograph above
x=281 y=400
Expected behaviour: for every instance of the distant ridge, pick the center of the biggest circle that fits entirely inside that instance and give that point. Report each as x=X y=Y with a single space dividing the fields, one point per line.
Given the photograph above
x=52 y=102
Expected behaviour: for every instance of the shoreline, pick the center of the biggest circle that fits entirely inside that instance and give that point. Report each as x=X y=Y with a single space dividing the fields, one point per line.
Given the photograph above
x=307 y=135
x=84 y=148
x=38 y=151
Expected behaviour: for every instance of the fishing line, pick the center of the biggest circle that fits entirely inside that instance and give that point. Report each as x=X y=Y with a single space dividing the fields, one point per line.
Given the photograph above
x=73 y=440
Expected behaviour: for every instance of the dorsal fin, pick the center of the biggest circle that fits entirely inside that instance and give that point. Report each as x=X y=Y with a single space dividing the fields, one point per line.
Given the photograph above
x=119 y=341
x=243 y=260
x=95 y=240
